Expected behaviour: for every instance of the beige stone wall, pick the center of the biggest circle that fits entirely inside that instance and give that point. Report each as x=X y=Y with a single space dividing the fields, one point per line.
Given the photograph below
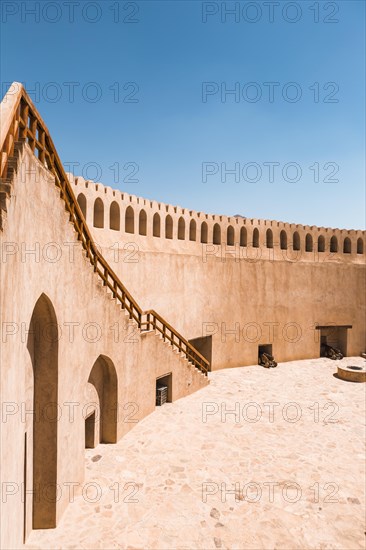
x=40 y=255
x=237 y=284
x=262 y=295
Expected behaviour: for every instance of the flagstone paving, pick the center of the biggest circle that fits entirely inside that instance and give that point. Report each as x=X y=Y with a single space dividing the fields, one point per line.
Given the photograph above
x=284 y=470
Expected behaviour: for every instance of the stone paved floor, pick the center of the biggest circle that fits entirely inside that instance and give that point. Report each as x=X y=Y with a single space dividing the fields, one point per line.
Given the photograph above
x=297 y=472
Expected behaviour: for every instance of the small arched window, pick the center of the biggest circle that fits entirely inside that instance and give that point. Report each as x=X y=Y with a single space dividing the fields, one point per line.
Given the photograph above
x=359 y=246
x=204 y=232
x=283 y=240
x=296 y=241
x=142 y=223
x=334 y=244
x=181 y=229
x=168 y=227
x=114 y=217
x=243 y=236
x=269 y=238
x=98 y=213
x=129 y=220
x=192 y=230
x=347 y=247
x=255 y=238
x=156 y=225
x=82 y=203
x=230 y=236
x=308 y=243
x=216 y=234
x=321 y=244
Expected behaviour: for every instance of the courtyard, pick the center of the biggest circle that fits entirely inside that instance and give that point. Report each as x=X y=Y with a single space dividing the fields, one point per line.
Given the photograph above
x=259 y=459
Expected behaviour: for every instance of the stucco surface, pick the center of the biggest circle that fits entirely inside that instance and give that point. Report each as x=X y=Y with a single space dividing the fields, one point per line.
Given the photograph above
x=246 y=305
x=41 y=256
x=68 y=347
x=241 y=296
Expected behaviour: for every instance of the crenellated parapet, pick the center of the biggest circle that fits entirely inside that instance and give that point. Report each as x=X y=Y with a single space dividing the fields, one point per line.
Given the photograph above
x=118 y=216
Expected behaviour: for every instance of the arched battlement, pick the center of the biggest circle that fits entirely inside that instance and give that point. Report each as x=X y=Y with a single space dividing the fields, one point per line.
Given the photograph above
x=175 y=233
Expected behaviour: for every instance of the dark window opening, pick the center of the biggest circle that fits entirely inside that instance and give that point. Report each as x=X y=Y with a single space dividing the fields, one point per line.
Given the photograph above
x=163 y=390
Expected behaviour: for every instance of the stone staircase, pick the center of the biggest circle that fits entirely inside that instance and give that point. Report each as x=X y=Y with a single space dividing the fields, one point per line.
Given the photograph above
x=23 y=125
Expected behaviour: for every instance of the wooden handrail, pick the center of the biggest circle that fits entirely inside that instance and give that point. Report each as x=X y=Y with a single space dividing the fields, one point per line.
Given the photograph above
x=190 y=350
x=23 y=123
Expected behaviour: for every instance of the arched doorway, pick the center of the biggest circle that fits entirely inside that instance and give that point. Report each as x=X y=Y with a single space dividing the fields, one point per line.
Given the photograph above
x=42 y=345
x=103 y=378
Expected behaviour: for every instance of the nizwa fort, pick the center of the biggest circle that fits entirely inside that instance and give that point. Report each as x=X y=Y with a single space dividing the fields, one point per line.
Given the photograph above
x=105 y=294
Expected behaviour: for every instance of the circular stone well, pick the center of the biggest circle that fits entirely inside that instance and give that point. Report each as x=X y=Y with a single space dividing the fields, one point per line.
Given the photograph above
x=352 y=373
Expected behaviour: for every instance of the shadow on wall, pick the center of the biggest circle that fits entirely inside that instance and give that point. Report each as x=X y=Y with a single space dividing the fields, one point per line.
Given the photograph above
x=203 y=345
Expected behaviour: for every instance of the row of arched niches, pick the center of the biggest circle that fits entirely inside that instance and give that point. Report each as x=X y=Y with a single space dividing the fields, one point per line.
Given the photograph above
x=142 y=220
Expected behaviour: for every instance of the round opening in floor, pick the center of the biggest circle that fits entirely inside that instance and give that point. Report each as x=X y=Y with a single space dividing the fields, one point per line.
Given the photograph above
x=353 y=367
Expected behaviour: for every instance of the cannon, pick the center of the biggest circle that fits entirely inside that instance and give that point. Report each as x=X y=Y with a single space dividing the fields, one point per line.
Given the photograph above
x=330 y=352
x=267 y=361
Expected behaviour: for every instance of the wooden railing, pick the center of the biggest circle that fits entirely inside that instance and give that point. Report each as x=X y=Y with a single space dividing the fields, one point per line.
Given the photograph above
x=24 y=124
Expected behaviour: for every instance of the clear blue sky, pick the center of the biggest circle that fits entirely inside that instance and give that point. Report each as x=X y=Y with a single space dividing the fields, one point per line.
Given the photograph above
x=167 y=50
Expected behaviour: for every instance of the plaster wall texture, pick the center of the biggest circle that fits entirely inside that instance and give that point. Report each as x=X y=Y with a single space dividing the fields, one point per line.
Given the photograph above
x=90 y=325
x=244 y=296
x=245 y=284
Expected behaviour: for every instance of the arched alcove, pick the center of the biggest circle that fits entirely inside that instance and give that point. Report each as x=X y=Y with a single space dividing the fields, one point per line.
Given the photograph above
x=269 y=238
x=296 y=241
x=98 y=220
x=321 y=243
x=347 y=246
x=243 y=236
x=82 y=203
x=359 y=246
x=216 y=239
x=168 y=227
x=230 y=236
x=255 y=238
x=283 y=240
x=129 y=220
x=308 y=243
x=156 y=225
x=192 y=230
x=42 y=345
x=333 y=244
x=204 y=232
x=142 y=223
x=181 y=229
x=114 y=216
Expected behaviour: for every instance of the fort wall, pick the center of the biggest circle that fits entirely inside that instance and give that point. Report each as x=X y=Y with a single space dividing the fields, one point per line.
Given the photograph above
x=44 y=268
x=77 y=369
x=175 y=229
x=262 y=282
